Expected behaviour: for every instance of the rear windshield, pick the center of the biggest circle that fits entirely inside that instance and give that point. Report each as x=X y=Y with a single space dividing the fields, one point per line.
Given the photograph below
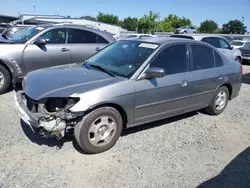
x=237 y=43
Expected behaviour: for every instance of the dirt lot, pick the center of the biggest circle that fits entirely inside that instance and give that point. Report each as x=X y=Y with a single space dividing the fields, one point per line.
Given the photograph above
x=187 y=151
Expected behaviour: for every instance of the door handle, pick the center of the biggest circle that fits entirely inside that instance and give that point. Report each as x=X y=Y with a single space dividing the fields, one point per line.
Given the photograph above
x=184 y=83
x=64 y=50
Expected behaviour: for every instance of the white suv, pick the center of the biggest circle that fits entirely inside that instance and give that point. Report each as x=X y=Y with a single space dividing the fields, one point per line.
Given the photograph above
x=185 y=29
x=217 y=41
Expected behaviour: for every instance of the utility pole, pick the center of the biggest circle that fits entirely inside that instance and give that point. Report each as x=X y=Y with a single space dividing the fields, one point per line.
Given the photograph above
x=34 y=9
x=242 y=19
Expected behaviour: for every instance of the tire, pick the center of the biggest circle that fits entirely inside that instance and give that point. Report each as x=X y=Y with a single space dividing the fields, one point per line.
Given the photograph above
x=5 y=79
x=184 y=32
x=94 y=121
x=238 y=59
x=214 y=109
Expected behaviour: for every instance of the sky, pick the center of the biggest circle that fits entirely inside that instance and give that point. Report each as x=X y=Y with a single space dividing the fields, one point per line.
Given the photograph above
x=221 y=11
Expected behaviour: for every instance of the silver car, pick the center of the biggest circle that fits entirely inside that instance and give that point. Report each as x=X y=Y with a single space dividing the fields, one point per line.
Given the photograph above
x=219 y=42
x=129 y=83
x=185 y=29
x=46 y=46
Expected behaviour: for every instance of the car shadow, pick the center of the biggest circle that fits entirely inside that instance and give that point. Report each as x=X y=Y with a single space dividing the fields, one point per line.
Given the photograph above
x=147 y=126
x=235 y=175
x=39 y=140
x=246 y=78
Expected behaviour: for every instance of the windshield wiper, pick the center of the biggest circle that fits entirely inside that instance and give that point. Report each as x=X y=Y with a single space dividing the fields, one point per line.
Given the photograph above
x=102 y=69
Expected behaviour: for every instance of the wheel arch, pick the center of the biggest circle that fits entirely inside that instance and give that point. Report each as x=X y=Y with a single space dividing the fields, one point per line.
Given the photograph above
x=230 y=89
x=7 y=67
x=119 y=108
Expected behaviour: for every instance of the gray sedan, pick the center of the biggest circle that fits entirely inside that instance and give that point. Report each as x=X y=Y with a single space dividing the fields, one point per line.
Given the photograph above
x=129 y=83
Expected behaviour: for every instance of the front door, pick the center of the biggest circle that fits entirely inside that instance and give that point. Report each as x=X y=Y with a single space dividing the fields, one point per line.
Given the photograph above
x=163 y=97
x=55 y=52
x=84 y=44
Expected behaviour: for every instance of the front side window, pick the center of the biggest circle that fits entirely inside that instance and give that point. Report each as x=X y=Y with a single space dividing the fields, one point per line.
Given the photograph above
x=247 y=45
x=172 y=59
x=212 y=40
x=224 y=44
x=25 y=34
x=202 y=57
x=122 y=58
x=80 y=36
x=55 y=36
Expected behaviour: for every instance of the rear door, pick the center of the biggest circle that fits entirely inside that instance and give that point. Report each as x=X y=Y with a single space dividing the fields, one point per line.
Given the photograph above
x=55 y=52
x=84 y=44
x=206 y=72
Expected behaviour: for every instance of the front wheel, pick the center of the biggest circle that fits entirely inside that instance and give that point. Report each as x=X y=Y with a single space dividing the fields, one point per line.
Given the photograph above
x=5 y=79
x=99 y=130
x=219 y=101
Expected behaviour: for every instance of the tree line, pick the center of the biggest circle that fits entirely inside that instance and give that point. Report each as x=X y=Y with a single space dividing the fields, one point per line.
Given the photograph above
x=151 y=22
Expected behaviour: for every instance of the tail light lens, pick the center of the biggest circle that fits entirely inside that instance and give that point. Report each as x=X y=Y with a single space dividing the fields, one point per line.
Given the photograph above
x=241 y=69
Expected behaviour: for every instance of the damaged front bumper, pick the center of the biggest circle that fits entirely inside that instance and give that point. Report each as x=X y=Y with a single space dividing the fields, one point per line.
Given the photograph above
x=27 y=116
x=47 y=124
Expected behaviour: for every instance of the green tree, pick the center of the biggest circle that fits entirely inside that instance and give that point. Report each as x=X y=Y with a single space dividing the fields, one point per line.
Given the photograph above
x=68 y=16
x=164 y=27
x=108 y=18
x=208 y=26
x=175 y=21
x=89 y=18
x=147 y=23
x=234 y=27
x=129 y=23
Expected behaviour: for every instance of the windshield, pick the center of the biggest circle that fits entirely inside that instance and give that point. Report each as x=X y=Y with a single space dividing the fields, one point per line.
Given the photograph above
x=237 y=43
x=123 y=58
x=183 y=27
x=25 y=34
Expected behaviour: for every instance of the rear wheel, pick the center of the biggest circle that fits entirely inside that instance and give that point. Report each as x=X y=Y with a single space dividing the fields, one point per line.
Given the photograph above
x=5 y=79
x=99 y=130
x=219 y=101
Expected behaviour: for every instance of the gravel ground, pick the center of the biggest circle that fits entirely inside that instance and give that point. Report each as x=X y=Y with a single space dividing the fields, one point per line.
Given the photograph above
x=184 y=151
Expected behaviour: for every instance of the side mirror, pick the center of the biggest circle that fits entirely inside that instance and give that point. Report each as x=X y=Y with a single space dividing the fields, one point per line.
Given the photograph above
x=153 y=72
x=230 y=47
x=40 y=41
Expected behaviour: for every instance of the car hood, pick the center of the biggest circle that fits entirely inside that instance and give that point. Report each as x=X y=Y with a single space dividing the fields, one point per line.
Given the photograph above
x=63 y=81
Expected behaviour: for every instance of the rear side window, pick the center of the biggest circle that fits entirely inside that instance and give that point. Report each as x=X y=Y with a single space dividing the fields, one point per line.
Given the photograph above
x=79 y=36
x=218 y=60
x=212 y=40
x=203 y=57
x=172 y=59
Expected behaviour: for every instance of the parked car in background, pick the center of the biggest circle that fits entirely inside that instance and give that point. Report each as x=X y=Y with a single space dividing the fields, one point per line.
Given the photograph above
x=240 y=44
x=137 y=35
x=217 y=41
x=9 y=32
x=131 y=82
x=244 y=47
x=185 y=29
x=46 y=46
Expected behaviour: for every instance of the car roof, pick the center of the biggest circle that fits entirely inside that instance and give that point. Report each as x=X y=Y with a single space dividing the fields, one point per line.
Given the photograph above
x=196 y=36
x=163 y=40
x=105 y=34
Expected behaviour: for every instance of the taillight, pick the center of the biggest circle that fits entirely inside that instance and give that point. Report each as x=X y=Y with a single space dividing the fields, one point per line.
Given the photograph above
x=241 y=69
